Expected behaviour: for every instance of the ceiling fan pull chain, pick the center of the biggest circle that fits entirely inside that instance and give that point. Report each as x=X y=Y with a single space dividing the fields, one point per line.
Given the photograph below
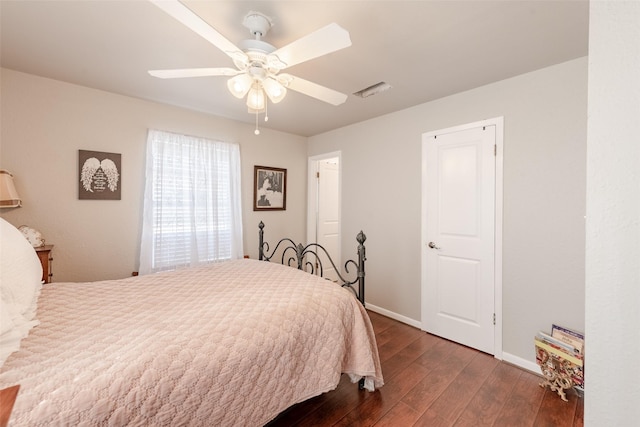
x=257 y=131
x=266 y=110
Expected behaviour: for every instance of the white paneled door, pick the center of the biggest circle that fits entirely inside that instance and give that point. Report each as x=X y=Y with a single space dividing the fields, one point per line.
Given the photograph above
x=329 y=214
x=458 y=263
x=323 y=211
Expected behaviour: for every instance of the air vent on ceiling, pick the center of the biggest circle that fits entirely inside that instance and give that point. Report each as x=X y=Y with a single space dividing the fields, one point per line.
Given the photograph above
x=372 y=90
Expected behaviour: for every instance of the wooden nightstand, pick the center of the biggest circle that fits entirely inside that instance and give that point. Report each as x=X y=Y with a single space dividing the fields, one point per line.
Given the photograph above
x=7 y=398
x=44 y=253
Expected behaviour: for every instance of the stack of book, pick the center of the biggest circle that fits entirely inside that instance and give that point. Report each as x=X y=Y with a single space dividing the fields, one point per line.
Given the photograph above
x=563 y=352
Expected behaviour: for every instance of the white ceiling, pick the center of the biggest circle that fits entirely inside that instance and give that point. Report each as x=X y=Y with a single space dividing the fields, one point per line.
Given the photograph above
x=424 y=49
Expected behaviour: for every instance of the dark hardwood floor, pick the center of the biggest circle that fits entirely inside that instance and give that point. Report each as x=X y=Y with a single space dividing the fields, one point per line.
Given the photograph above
x=430 y=381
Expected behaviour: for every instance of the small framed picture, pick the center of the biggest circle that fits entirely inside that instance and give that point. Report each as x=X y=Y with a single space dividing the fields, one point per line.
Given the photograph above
x=269 y=189
x=100 y=175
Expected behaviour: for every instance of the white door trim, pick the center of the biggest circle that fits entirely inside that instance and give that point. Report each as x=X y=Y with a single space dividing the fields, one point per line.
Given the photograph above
x=312 y=194
x=498 y=122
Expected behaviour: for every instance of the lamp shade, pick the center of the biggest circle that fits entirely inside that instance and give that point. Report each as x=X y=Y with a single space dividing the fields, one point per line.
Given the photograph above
x=8 y=195
x=275 y=91
x=240 y=85
x=255 y=98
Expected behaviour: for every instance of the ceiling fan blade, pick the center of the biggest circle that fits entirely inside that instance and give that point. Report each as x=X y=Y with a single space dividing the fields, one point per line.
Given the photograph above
x=180 y=12
x=321 y=42
x=193 y=72
x=311 y=89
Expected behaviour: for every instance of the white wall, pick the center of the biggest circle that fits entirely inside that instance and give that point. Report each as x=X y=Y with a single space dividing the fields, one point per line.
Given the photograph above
x=544 y=196
x=613 y=216
x=44 y=124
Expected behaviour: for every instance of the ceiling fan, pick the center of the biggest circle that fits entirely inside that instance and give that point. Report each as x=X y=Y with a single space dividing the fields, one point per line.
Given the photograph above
x=259 y=64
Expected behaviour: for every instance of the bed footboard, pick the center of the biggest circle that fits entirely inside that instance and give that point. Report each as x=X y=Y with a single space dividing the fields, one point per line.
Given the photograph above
x=308 y=258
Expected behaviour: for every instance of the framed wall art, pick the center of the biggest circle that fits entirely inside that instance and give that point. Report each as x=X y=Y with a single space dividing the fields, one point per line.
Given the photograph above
x=100 y=175
x=269 y=189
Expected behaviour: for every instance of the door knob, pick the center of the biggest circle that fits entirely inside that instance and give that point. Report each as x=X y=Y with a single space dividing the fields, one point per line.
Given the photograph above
x=433 y=245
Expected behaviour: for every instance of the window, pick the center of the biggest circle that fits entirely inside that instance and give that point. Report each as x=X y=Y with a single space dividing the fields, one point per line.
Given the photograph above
x=192 y=212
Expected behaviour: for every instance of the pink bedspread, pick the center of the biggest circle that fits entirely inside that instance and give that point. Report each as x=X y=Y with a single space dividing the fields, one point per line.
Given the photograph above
x=228 y=344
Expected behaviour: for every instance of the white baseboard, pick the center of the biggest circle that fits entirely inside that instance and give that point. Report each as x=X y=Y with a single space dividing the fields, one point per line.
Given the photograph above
x=521 y=363
x=506 y=357
x=395 y=316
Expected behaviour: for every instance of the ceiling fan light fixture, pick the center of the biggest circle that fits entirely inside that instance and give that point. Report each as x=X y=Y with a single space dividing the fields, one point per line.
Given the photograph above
x=240 y=85
x=275 y=91
x=255 y=98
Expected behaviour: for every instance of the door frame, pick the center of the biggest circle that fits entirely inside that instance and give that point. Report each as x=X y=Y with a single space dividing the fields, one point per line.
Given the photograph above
x=312 y=196
x=498 y=122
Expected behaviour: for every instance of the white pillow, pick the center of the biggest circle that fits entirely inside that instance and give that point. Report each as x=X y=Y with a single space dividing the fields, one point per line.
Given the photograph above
x=20 y=284
x=12 y=332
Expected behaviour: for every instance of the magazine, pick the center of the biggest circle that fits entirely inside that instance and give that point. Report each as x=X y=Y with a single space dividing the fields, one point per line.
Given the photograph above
x=568 y=336
x=556 y=342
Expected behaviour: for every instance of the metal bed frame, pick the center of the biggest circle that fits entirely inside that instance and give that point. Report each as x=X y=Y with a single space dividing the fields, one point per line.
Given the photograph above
x=307 y=259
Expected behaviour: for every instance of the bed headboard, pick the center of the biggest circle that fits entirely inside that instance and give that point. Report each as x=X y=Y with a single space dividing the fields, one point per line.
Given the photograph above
x=307 y=258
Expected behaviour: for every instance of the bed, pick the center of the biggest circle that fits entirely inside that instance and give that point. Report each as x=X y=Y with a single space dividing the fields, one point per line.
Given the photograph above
x=226 y=344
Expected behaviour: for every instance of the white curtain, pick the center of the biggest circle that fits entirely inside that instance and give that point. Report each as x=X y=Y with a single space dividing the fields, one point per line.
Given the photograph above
x=192 y=209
